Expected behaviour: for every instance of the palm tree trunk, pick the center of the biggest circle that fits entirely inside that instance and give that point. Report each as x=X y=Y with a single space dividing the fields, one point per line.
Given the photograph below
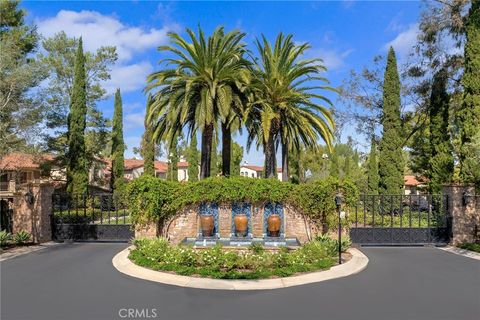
x=270 y=157
x=226 y=149
x=284 y=161
x=206 y=156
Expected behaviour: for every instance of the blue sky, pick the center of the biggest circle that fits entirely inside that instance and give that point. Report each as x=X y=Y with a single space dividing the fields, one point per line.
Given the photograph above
x=346 y=34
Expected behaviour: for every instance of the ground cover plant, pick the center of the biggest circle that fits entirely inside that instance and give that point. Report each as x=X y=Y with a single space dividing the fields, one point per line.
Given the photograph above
x=220 y=263
x=471 y=246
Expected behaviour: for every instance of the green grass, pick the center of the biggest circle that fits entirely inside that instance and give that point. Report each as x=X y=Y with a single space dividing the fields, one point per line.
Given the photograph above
x=470 y=246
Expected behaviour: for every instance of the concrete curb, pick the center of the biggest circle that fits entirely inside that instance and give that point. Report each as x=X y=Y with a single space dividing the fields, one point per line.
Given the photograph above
x=462 y=252
x=20 y=251
x=357 y=263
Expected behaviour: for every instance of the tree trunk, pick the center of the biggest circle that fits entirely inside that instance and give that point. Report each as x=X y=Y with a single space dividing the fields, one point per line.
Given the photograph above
x=270 y=157
x=284 y=161
x=226 y=149
x=207 y=135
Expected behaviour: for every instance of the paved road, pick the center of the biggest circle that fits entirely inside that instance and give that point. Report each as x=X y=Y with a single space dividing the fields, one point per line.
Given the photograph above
x=77 y=281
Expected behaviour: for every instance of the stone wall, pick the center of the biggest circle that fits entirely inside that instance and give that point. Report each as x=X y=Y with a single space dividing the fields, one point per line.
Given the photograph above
x=464 y=212
x=186 y=223
x=34 y=218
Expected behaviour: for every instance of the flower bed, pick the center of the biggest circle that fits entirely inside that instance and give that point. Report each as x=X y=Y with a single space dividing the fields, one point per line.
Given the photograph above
x=220 y=263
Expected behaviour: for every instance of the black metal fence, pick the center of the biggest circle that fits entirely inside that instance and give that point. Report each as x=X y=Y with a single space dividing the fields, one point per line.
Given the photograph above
x=401 y=220
x=90 y=217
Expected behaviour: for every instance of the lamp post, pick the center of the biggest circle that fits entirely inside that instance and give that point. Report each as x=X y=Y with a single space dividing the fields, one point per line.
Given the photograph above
x=338 y=203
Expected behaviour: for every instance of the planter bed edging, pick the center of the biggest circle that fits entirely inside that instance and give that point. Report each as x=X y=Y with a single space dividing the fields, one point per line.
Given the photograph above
x=356 y=264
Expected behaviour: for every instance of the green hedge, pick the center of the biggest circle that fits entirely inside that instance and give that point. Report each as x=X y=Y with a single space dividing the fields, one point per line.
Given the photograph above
x=152 y=199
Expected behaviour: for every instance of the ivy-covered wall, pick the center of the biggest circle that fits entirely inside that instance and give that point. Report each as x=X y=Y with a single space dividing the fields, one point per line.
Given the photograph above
x=174 y=206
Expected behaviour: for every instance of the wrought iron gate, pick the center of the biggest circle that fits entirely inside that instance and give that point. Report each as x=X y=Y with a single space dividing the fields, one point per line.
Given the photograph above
x=90 y=218
x=401 y=220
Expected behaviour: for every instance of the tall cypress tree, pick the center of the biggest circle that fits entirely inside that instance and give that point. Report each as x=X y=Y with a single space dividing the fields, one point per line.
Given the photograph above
x=77 y=171
x=148 y=145
x=391 y=163
x=172 y=171
x=117 y=181
x=192 y=159
x=469 y=113
x=441 y=157
x=372 y=170
x=214 y=158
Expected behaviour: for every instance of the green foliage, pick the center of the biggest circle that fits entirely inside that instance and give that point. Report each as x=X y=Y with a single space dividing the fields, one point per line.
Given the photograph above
x=58 y=57
x=154 y=199
x=20 y=108
x=440 y=169
x=150 y=199
x=172 y=171
x=185 y=97
x=192 y=159
x=372 y=170
x=148 y=145
x=391 y=164
x=469 y=113
x=5 y=237
x=22 y=237
x=77 y=171
x=117 y=182
x=471 y=246
x=215 y=262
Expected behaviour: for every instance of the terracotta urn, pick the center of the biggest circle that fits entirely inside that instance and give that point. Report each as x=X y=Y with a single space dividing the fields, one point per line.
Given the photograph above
x=207 y=223
x=273 y=225
x=241 y=224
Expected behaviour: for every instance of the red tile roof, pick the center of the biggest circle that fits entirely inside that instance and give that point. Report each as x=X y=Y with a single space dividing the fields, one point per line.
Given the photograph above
x=160 y=166
x=414 y=181
x=17 y=160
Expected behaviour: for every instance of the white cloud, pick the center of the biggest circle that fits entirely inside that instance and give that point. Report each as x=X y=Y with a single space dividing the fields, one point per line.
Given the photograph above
x=134 y=120
x=332 y=59
x=99 y=30
x=129 y=77
x=404 y=41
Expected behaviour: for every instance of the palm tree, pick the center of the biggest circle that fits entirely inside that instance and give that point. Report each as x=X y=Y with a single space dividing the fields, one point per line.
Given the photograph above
x=284 y=108
x=196 y=90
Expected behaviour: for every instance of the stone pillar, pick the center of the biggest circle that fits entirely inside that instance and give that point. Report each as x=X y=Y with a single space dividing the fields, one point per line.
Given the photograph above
x=34 y=218
x=465 y=217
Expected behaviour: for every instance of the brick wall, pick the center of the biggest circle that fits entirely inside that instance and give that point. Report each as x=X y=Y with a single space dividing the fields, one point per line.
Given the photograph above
x=34 y=218
x=186 y=223
x=465 y=216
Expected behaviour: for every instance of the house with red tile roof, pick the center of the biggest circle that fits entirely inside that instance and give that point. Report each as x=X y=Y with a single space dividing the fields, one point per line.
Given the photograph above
x=414 y=185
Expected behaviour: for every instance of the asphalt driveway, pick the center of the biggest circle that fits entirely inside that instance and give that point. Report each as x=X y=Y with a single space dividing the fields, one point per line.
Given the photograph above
x=78 y=281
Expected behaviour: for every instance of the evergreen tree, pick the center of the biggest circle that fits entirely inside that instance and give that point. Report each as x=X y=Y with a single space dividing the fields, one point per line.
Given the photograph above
x=214 y=157
x=117 y=180
x=237 y=156
x=469 y=114
x=373 y=178
x=192 y=159
x=172 y=172
x=391 y=164
x=441 y=157
x=148 y=146
x=77 y=171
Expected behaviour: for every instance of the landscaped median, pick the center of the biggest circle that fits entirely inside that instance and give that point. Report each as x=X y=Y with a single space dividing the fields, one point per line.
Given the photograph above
x=235 y=269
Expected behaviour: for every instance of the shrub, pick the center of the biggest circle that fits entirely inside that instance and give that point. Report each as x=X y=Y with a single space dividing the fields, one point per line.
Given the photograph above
x=5 y=237
x=215 y=262
x=21 y=237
